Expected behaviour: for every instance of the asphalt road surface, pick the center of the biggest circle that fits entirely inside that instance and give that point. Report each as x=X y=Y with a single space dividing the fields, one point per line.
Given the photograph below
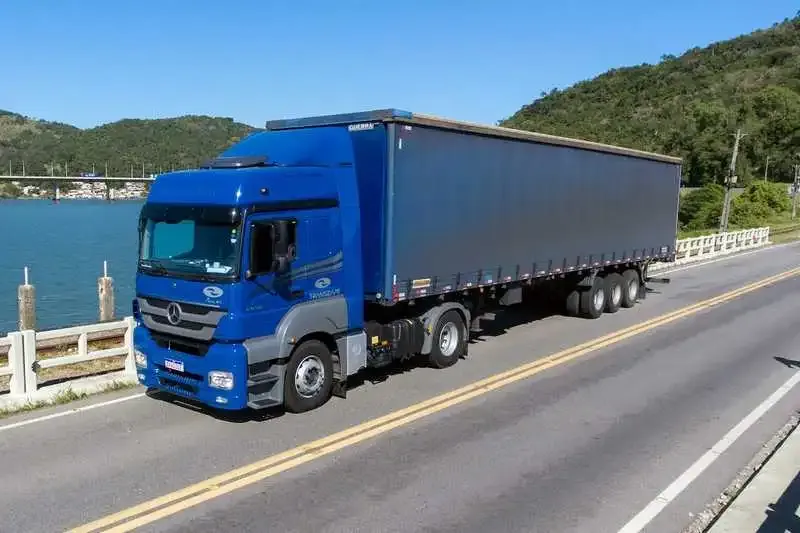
x=583 y=443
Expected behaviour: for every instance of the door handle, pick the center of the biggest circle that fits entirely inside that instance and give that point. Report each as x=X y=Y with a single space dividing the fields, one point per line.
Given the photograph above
x=298 y=294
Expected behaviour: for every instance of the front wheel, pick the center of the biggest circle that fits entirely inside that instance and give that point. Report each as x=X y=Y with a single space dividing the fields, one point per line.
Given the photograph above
x=309 y=377
x=449 y=340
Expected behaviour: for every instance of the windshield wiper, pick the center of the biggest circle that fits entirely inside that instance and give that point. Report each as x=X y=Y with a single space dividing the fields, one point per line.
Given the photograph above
x=155 y=266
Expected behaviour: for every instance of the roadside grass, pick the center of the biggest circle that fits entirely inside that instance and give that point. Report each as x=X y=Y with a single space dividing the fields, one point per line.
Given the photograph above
x=63 y=397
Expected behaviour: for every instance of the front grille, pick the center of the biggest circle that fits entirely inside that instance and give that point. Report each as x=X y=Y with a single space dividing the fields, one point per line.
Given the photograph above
x=185 y=324
x=195 y=323
x=180 y=344
x=195 y=309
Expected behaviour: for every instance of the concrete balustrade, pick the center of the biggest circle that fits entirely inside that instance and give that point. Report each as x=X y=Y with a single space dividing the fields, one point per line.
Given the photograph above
x=711 y=246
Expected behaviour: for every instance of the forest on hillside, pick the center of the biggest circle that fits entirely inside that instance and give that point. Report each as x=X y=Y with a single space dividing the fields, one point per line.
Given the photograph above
x=119 y=148
x=691 y=106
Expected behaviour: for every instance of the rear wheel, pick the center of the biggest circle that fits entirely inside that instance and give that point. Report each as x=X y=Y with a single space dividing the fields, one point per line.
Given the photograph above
x=630 y=288
x=573 y=303
x=309 y=377
x=614 y=289
x=593 y=300
x=449 y=340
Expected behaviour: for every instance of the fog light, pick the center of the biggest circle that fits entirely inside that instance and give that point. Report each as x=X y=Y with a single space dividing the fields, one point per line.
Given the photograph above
x=220 y=380
x=140 y=358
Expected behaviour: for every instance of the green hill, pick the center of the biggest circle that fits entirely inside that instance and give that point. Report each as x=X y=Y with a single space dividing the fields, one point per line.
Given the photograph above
x=691 y=105
x=160 y=144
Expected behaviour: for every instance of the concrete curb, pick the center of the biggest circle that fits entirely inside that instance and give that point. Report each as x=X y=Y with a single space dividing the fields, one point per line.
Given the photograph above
x=82 y=386
x=705 y=519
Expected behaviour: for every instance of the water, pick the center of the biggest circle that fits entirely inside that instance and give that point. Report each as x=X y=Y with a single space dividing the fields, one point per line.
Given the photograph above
x=64 y=246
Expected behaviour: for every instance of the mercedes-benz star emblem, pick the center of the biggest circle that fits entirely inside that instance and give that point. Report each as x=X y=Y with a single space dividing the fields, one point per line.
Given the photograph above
x=173 y=313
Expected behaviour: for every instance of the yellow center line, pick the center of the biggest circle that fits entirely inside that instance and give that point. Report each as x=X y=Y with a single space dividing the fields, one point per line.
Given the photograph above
x=192 y=495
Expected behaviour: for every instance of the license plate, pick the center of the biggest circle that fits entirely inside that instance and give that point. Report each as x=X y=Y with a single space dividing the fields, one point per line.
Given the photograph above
x=174 y=365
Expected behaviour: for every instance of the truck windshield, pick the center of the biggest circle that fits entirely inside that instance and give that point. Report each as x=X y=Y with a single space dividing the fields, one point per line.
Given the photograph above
x=190 y=241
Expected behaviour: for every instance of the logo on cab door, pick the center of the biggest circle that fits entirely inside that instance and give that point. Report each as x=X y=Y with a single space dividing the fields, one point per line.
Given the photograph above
x=322 y=283
x=213 y=292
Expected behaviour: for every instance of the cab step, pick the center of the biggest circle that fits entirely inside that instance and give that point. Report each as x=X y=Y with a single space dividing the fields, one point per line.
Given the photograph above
x=263 y=403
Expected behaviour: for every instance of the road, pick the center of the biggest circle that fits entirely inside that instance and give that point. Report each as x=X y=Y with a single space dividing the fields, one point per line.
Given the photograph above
x=583 y=443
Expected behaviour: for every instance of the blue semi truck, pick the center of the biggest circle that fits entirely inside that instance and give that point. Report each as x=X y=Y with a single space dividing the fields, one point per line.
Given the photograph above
x=318 y=247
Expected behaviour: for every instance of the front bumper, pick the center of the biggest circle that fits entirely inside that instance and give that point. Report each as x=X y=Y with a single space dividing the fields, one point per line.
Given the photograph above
x=186 y=375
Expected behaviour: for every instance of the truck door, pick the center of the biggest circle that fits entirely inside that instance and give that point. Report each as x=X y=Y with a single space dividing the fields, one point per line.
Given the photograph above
x=290 y=260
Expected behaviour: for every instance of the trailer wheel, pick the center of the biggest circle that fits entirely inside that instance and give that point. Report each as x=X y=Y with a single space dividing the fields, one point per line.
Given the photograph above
x=573 y=303
x=630 y=288
x=309 y=377
x=449 y=340
x=614 y=288
x=593 y=300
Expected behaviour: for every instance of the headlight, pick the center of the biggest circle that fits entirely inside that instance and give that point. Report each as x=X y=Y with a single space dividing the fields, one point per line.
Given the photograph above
x=220 y=380
x=140 y=359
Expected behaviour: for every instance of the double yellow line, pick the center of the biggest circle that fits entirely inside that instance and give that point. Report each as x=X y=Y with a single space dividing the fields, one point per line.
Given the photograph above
x=180 y=500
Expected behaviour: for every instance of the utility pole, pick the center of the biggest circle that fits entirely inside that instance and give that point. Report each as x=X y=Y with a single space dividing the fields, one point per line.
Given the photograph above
x=766 y=169
x=794 y=189
x=730 y=181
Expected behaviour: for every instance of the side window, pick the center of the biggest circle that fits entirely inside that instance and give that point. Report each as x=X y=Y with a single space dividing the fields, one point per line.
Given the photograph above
x=261 y=250
x=273 y=246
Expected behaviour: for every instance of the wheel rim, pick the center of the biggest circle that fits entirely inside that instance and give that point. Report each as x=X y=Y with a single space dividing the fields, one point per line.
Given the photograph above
x=309 y=376
x=632 y=289
x=448 y=339
x=616 y=293
x=599 y=299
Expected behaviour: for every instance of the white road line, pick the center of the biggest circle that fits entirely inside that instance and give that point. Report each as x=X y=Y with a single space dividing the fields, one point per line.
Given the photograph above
x=70 y=412
x=646 y=515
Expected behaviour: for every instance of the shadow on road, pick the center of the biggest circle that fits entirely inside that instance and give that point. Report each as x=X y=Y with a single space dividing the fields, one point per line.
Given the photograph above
x=791 y=363
x=537 y=308
x=782 y=515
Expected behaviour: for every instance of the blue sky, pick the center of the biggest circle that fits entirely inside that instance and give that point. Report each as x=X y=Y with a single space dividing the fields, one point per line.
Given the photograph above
x=87 y=62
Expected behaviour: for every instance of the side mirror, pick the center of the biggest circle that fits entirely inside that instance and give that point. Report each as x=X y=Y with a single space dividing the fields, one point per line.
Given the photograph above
x=284 y=246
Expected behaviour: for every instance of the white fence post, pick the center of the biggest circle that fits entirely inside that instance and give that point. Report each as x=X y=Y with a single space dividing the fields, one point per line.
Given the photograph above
x=130 y=363
x=16 y=361
x=29 y=360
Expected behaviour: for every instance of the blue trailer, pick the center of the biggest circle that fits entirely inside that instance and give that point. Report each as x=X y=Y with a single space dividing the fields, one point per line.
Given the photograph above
x=323 y=246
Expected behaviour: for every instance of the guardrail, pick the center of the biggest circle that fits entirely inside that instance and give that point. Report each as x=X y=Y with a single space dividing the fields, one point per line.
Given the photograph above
x=706 y=247
x=24 y=348
x=15 y=364
x=25 y=361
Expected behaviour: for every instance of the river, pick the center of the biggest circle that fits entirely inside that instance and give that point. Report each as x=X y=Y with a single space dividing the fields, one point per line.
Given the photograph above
x=64 y=246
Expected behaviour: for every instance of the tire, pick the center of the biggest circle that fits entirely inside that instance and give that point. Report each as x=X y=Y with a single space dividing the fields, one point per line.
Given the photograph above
x=309 y=377
x=614 y=288
x=630 y=288
x=449 y=340
x=572 y=303
x=593 y=300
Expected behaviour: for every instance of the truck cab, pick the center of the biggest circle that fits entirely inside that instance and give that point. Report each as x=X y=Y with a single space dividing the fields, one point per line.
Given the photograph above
x=248 y=287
